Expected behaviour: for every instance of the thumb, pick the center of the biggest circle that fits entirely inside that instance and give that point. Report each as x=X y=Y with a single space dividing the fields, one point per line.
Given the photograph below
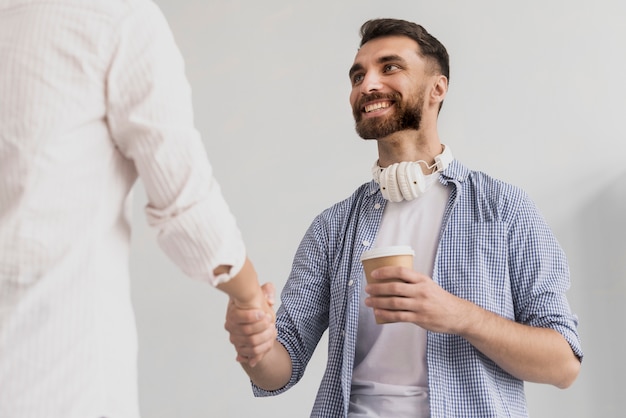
x=269 y=292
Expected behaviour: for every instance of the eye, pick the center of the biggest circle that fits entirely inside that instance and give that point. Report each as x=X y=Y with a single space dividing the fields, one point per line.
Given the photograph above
x=357 y=78
x=390 y=67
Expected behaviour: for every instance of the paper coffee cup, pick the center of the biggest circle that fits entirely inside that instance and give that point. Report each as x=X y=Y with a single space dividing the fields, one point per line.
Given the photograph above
x=397 y=255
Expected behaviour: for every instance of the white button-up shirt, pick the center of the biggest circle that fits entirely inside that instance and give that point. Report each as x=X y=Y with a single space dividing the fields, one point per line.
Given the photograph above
x=92 y=95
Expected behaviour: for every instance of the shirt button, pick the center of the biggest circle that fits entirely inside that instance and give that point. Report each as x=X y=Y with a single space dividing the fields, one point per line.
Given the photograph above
x=366 y=243
x=351 y=282
x=377 y=206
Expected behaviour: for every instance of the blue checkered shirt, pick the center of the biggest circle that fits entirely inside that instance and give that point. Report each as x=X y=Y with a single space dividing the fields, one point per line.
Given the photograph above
x=495 y=250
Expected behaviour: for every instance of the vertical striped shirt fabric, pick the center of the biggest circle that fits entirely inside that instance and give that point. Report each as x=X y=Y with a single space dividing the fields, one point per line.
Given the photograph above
x=495 y=249
x=93 y=95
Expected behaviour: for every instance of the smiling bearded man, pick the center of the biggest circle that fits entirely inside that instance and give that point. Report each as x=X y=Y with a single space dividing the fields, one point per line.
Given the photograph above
x=482 y=310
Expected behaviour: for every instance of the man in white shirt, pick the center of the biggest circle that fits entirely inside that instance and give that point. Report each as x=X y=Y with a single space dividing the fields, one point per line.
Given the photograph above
x=93 y=96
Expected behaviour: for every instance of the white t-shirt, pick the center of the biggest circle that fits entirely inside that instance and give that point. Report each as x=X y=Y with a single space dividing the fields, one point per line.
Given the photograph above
x=390 y=377
x=92 y=95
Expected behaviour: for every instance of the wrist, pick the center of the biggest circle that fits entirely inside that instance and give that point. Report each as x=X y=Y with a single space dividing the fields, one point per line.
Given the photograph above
x=253 y=299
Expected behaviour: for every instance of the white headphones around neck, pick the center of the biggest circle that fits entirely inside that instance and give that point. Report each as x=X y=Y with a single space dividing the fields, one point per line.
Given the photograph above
x=405 y=180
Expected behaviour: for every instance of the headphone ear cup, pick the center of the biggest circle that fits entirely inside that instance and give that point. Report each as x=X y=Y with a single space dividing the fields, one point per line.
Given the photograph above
x=415 y=178
x=389 y=184
x=382 y=182
x=405 y=183
x=400 y=181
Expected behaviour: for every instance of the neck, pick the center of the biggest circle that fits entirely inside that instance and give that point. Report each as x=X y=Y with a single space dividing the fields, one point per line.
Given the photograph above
x=408 y=146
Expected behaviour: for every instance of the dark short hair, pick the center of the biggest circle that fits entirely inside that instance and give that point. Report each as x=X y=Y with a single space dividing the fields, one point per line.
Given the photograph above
x=429 y=45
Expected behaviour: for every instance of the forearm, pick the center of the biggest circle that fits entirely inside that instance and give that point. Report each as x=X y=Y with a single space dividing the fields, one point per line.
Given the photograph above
x=273 y=371
x=243 y=288
x=533 y=354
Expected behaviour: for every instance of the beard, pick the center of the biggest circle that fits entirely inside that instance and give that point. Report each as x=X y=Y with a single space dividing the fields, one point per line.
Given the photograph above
x=407 y=115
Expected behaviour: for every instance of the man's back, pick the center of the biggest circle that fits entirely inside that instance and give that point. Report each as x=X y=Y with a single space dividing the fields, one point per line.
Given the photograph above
x=67 y=332
x=57 y=159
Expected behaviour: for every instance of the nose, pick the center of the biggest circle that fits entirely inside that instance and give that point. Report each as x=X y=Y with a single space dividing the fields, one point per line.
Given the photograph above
x=371 y=82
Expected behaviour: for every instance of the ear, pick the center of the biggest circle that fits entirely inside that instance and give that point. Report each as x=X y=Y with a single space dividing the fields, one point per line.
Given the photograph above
x=439 y=89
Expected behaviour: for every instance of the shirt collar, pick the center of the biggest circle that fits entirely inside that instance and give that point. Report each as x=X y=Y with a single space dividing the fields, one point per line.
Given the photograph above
x=455 y=172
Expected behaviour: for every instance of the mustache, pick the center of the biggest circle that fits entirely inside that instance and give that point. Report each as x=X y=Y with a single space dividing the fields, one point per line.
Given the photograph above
x=395 y=97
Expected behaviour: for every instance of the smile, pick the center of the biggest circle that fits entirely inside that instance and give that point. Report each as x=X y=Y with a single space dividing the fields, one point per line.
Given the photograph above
x=371 y=107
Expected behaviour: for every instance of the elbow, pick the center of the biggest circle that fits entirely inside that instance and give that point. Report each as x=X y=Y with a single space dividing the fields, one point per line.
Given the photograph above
x=569 y=373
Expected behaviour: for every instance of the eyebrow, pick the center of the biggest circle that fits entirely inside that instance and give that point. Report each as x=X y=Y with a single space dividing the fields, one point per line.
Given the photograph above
x=382 y=60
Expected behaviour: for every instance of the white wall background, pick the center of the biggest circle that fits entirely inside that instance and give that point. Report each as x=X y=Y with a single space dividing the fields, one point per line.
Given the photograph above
x=537 y=98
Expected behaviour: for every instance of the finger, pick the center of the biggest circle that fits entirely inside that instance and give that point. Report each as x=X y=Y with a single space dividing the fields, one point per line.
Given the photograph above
x=242 y=338
x=388 y=317
x=394 y=272
x=247 y=330
x=251 y=351
x=253 y=356
x=390 y=303
x=244 y=316
x=251 y=334
x=252 y=361
x=390 y=288
x=270 y=291
x=247 y=323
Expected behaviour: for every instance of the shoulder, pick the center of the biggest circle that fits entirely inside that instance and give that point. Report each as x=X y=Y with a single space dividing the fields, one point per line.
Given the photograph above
x=335 y=220
x=347 y=206
x=490 y=197
x=117 y=11
x=96 y=12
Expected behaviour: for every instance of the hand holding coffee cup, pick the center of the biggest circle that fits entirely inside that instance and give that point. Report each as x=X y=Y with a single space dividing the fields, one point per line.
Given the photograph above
x=397 y=255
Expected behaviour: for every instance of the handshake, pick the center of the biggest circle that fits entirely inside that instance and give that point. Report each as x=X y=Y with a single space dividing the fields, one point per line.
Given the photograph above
x=251 y=326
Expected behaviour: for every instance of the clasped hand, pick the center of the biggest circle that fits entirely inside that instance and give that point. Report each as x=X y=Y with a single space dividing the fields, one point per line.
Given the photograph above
x=252 y=330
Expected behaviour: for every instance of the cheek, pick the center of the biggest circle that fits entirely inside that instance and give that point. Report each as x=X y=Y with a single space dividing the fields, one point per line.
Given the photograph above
x=353 y=98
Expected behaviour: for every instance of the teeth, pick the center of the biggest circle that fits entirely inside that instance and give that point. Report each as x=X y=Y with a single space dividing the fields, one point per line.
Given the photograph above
x=376 y=106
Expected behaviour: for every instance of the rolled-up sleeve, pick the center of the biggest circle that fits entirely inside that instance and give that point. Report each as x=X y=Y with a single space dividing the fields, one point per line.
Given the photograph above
x=540 y=275
x=150 y=116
